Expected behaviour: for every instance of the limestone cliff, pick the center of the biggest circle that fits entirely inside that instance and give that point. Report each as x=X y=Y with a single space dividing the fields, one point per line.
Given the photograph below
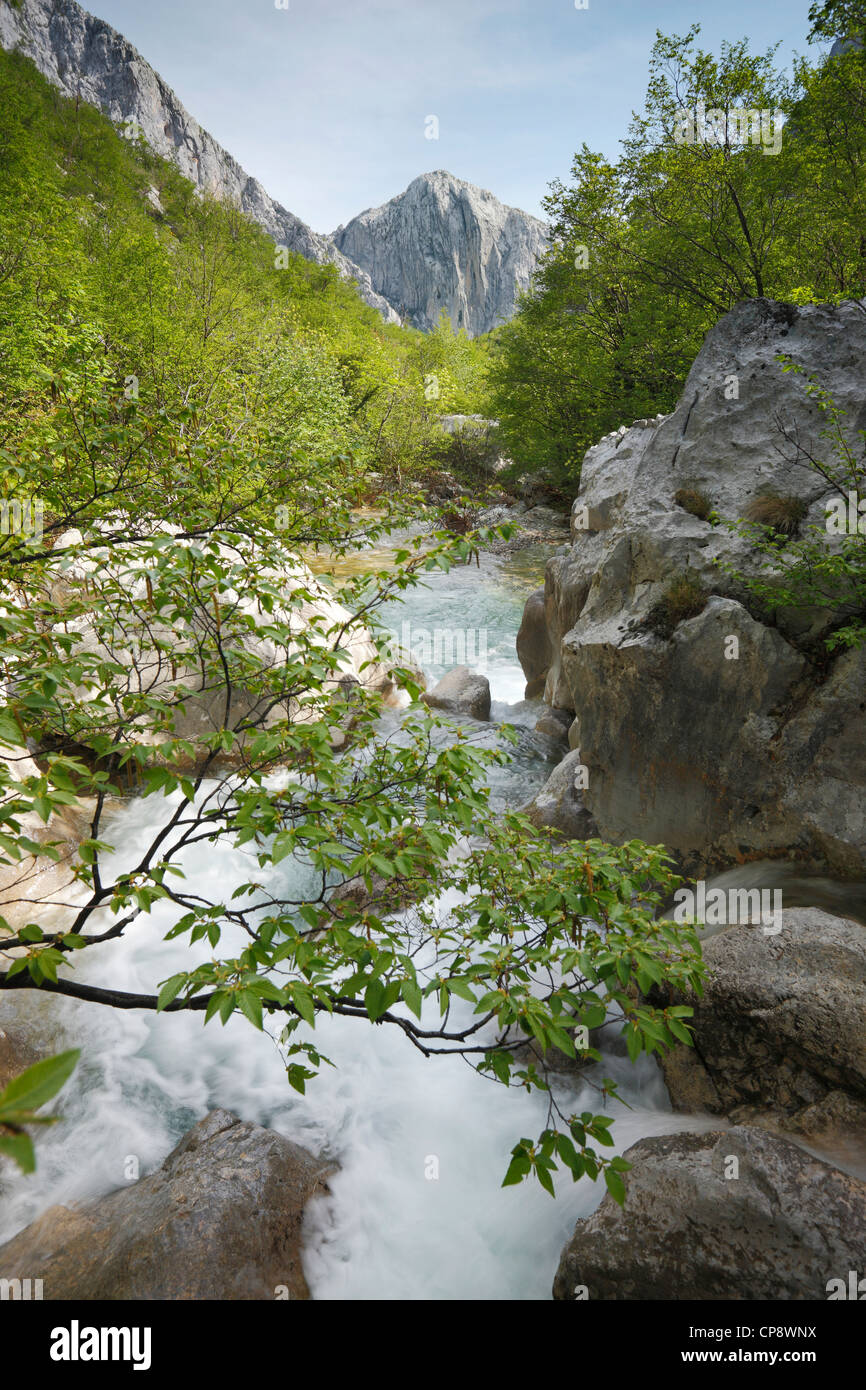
x=445 y=244
x=731 y=735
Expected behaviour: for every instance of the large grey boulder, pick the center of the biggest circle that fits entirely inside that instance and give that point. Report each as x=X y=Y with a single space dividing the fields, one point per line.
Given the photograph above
x=782 y=1019
x=650 y=711
x=558 y=805
x=461 y=691
x=776 y=1224
x=445 y=244
x=88 y=60
x=221 y=1219
x=534 y=647
x=720 y=749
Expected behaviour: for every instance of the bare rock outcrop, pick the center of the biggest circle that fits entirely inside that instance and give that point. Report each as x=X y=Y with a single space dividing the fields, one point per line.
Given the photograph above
x=221 y=1219
x=445 y=244
x=780 y=1023
x=729 y=734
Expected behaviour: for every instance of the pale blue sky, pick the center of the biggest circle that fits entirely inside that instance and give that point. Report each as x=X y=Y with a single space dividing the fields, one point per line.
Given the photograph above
x=325 y=102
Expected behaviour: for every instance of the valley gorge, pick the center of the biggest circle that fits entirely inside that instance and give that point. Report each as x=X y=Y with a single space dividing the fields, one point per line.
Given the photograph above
x=441 y=245
x=382 y=736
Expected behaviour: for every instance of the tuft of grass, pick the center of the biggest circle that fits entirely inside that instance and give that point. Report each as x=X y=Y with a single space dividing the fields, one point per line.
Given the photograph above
x=780 y=514
x=693 y=501
x=685 y=597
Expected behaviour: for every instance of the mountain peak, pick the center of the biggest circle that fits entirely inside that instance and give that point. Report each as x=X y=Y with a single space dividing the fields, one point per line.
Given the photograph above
x=460 y=250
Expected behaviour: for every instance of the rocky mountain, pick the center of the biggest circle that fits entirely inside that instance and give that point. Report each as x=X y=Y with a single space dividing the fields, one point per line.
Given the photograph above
x=445 y=244
x=441 y=244
x=86 y=58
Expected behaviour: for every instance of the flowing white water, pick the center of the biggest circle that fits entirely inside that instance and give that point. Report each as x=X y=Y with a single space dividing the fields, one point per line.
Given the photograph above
x=415 y=1209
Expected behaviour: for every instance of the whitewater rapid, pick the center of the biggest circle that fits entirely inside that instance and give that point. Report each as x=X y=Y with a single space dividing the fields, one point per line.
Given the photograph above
x=416 y=1208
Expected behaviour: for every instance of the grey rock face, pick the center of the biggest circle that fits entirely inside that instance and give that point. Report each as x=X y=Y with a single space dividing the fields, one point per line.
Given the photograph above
x=717 y=758
x=842 y=46
x=534 y=648
x=461 y=691
x=781 y=1230
x=445 y=244
x=85 y=57
x=220 y=1219
x=782 y=1020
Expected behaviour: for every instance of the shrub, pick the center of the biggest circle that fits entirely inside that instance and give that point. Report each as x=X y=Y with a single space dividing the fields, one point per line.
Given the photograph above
x=780 y=514
x=684 y=597
x=693 y=501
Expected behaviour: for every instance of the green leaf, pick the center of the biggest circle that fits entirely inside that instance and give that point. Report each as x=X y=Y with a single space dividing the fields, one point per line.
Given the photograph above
x=170 y=990
x=680 y=1031
x=519 y=1168
x=251 y=1007
x=461 y=988
x=412 y=996
x=39 y=1083
x=19 y=1147
x=374 y=999
x=633 y=1042
x=615 y=1186
x=304 y=1005
x=544 y=1177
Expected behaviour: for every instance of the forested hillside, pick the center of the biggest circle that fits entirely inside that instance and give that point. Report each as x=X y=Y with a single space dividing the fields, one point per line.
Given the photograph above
x=113 y=268
x=650 y=249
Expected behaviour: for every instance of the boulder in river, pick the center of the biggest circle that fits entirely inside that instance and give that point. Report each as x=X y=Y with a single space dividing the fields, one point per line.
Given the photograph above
x=220 y=1219
x=782 y=1019
x=461 y=691
x=559 y=803
x=555 y=724
x=737 y=1214
x=534 y=648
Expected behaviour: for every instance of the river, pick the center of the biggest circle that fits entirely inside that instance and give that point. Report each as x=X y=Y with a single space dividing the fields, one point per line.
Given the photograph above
x=388 y=1230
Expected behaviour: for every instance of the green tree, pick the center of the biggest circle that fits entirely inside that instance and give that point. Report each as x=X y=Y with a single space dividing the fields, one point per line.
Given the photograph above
x=824 y=569
x=192 y=666
x=648 y=251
